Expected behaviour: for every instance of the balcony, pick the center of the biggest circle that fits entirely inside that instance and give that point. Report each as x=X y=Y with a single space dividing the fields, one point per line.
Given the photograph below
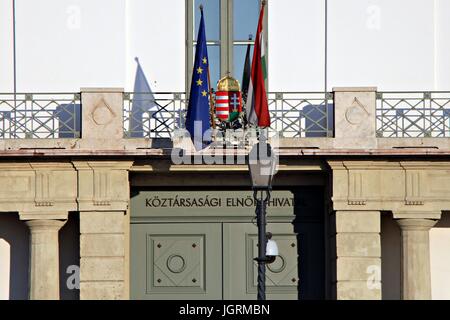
x=108 y=121
x=293 y=114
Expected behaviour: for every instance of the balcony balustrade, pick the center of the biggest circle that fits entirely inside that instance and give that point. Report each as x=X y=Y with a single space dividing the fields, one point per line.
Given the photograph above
x=347 y=118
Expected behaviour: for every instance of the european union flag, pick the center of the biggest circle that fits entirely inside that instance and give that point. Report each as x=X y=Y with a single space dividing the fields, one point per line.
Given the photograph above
x=198 y=116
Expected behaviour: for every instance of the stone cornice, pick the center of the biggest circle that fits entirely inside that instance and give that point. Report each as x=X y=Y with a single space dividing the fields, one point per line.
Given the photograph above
x=414 y=187
x=102 y=165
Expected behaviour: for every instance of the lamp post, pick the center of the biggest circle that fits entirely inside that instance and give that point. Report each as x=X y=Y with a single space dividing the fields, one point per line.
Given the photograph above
x=262 y=168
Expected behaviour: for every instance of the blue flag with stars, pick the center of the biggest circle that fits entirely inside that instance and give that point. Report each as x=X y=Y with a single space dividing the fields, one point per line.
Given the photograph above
x=198 y=116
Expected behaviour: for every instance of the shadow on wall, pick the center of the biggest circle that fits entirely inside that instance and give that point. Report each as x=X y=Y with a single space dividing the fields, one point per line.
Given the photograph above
x=390 y=258
x=319 y=120
x=16 y=234
x=309 y=227
x=69 y=258
x=69 y=117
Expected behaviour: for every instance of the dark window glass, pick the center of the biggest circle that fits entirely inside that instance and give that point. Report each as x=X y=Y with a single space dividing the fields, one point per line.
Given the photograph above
x=239 y=52
x=214 y=64
x=245 y=18
x=211 y=12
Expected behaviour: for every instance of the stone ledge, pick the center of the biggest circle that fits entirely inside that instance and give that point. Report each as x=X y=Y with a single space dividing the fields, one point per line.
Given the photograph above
x=102 y=90
x=355 y=89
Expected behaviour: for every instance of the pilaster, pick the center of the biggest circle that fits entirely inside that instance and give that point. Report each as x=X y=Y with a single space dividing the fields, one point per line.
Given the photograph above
x=358 y=255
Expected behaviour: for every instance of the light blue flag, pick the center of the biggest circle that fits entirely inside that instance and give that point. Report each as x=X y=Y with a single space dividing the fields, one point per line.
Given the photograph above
x=143 y=101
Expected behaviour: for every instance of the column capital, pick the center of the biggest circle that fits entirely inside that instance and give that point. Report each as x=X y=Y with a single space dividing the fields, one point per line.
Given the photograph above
x=432 y=215
x=41 y=216
x=45 y=225
x=416 y=224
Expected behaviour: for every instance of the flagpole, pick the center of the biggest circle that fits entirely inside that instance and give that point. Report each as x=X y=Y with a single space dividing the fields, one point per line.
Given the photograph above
x=211 y=101
x=326 y=47
x=14 y=50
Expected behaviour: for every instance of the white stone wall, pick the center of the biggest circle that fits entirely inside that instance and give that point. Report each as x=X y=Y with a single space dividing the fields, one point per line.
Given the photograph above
x=5 y=257
x=156 y=34
x=64 y=45
x=440 y=259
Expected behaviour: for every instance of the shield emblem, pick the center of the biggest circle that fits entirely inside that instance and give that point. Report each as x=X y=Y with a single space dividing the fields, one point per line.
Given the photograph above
x=228 y=105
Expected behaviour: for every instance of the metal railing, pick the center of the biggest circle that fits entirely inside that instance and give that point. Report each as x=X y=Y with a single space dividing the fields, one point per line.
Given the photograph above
x=293 y=114
x=40 y=116
x=413 y=114
x=155 y=115
x=158 y=115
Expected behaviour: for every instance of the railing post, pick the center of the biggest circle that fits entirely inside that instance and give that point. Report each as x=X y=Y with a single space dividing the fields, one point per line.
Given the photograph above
x=102 y=118
x=355 y=116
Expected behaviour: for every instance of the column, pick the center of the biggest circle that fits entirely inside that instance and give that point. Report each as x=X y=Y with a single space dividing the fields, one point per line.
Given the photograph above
x=358 y=255
x=44 y=259
x=416 y=278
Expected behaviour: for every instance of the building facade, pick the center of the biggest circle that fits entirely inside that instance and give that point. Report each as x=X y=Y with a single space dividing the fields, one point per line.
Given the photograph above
x=356 y=215
x=91 y=210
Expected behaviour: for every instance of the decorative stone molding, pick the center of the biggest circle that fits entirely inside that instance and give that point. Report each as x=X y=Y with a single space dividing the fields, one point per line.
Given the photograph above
x=103 y=114
x=401 y=186
x=103 y=185
x=31 y=186
x=356 y=202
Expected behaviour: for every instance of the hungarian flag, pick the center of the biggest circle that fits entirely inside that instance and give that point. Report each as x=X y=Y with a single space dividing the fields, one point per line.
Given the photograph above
x=257 y=107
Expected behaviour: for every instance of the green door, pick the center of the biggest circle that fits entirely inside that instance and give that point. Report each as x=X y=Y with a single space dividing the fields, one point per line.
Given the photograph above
x=201 y=252
x=176 y=261
x=240 y=270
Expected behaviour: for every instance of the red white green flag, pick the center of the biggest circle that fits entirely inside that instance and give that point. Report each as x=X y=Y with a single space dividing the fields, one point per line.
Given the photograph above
x=257 y=107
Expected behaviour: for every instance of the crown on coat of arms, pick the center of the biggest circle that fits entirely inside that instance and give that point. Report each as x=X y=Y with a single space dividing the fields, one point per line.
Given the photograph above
x=228 y=100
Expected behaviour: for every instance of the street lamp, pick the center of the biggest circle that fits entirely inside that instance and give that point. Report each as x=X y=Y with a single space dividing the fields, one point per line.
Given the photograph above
x=262 y=163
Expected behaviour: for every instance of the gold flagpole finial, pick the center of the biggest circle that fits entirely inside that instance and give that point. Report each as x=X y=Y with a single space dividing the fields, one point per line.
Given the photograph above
x=263 y=3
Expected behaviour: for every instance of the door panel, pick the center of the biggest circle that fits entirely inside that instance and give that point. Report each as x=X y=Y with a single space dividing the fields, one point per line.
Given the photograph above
x=240 y=270
x=176 y=261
